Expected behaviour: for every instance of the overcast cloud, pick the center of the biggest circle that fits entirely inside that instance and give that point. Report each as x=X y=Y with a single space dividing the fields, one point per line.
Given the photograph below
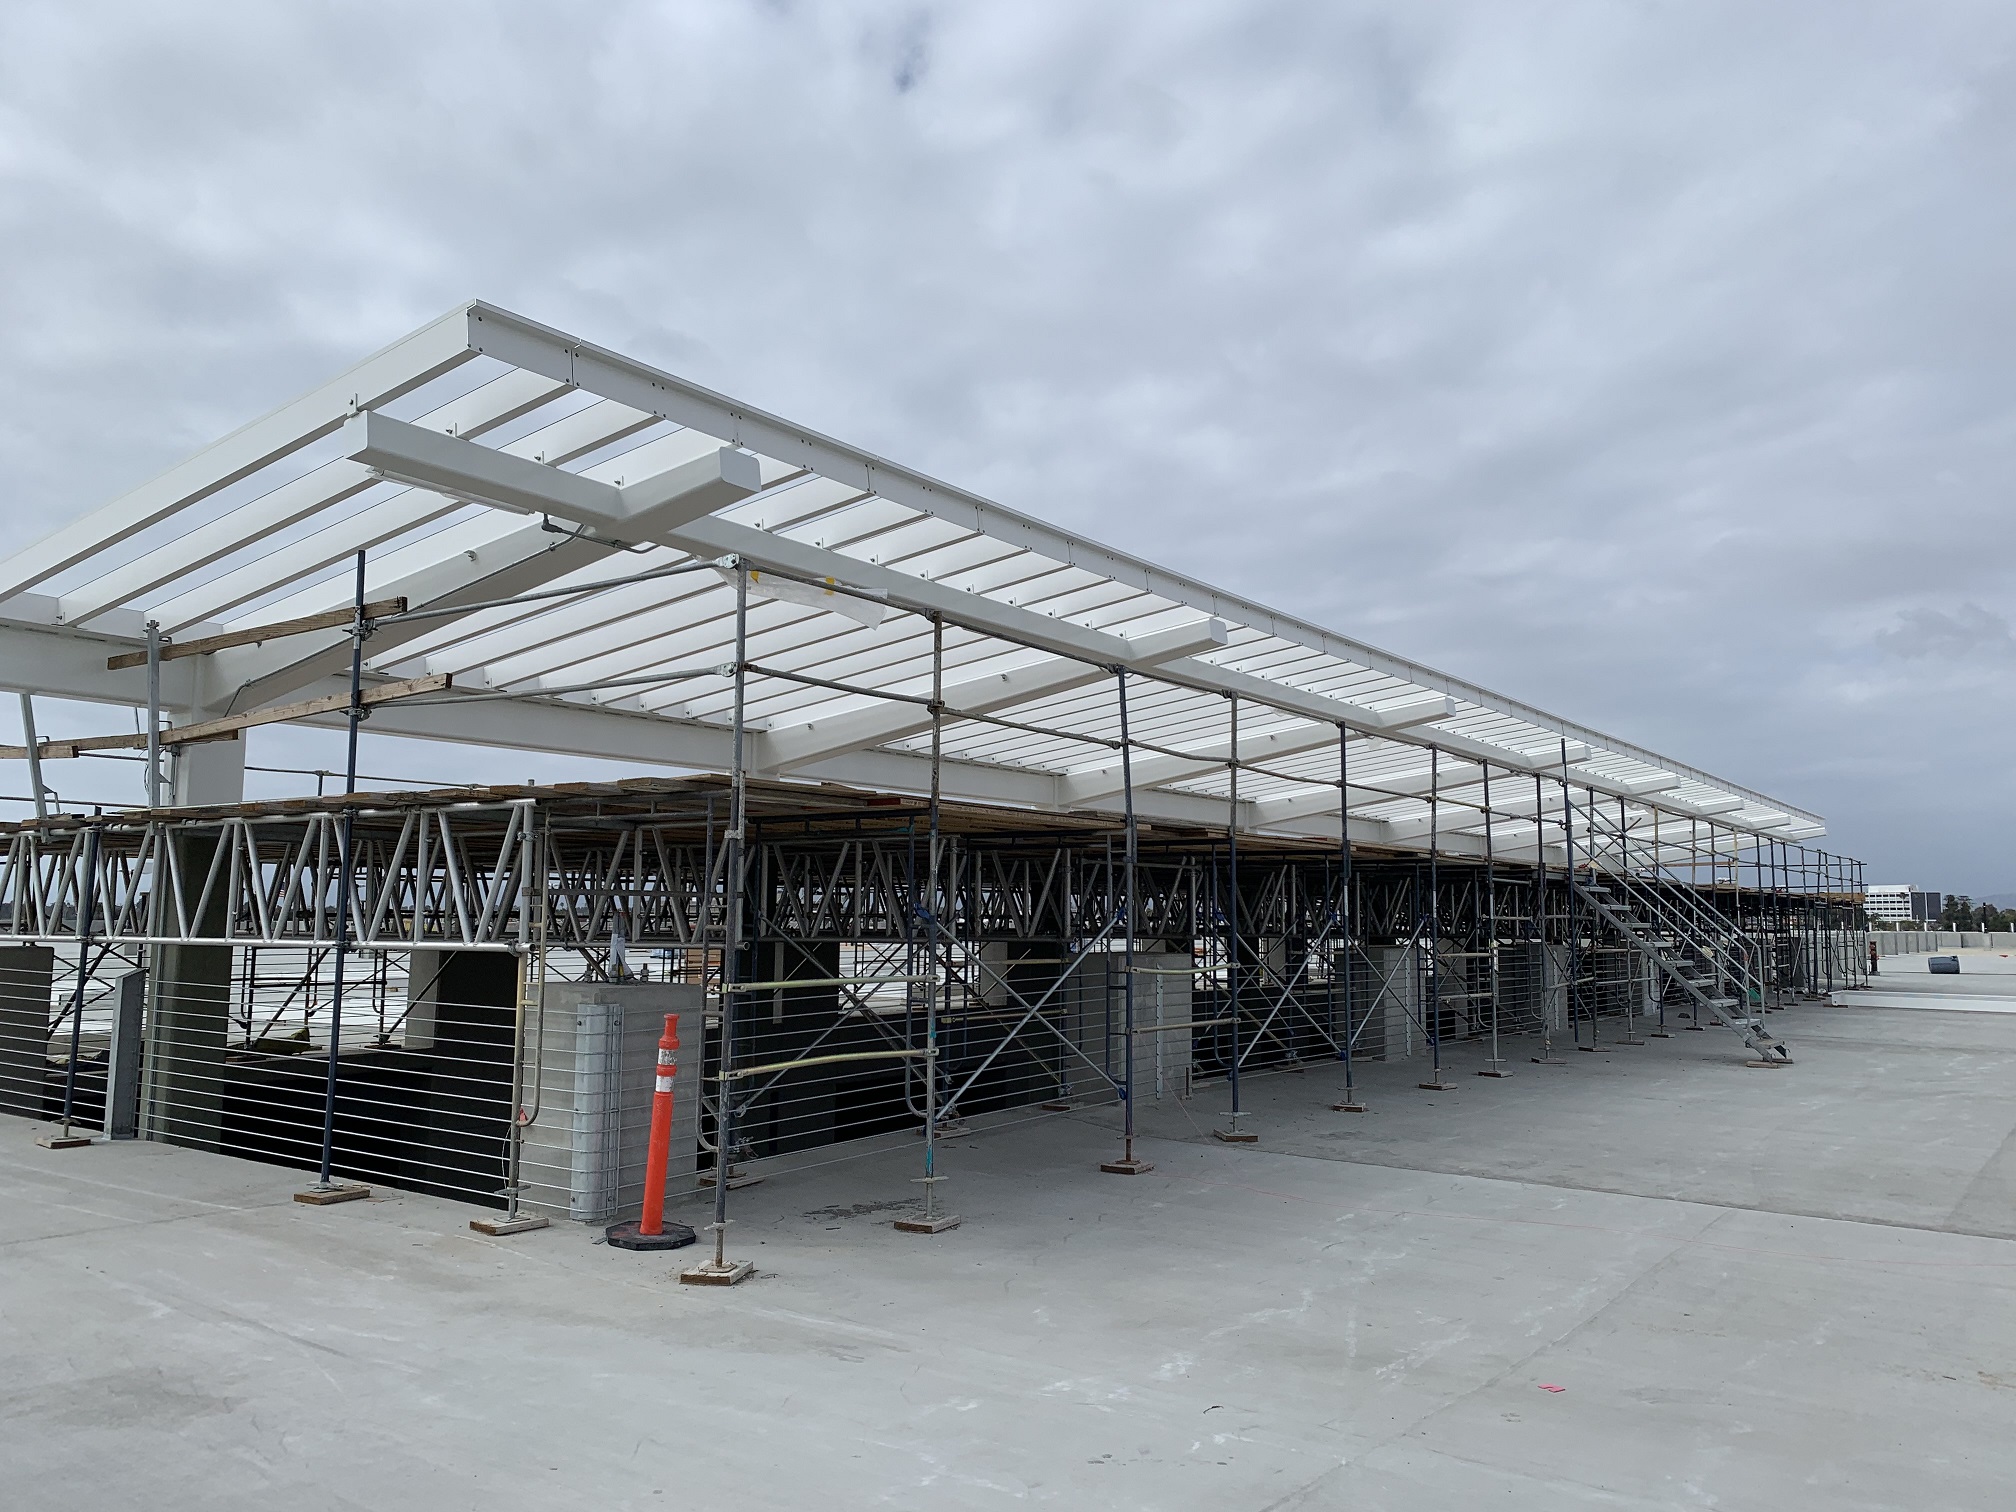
x=1650 y=362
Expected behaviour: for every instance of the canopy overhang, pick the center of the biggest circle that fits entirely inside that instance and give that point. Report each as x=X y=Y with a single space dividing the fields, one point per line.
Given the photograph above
x=486 y=457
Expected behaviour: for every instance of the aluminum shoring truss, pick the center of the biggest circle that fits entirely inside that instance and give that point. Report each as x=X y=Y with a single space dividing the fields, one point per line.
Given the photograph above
x=439 y=878
x=847 y=1025
x=447 y=876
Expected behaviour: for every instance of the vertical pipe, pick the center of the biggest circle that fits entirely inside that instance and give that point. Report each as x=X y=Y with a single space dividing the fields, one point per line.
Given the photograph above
x=153 y=714
x=731 y=944
x=1623 y=883
x=1658 y=884
x=323 y=1183
x=934 y=866
x=1133 y=862
x=1496 y=1066
x=87 y=899
x=1538 y=924
x=531 y=984
x=1592 y=857
x=1350 y=1104
x=1232 y=917
x=1128 y=1164
x=1574 y=913
x=34 y=756
x=1431 y=977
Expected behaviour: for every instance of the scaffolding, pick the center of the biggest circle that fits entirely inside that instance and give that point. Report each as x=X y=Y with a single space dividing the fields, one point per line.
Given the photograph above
x=990 y=821
x=857 y=967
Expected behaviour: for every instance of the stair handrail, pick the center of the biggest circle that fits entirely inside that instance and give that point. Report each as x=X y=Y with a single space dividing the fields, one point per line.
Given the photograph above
x=1686 y=917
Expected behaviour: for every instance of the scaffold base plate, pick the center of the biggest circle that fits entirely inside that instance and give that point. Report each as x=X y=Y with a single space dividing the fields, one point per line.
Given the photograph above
x=1658 y=1034
x=63 y=1141
x=711 y=1274
x=1436 y=1086
x=1494 y=1073
x=1767 y=1065
x=1630 y=1042
x=328 y=1196
x=1235 y=1136
x=498 y=1228
x=1347 y=1107
x=627 y=1236
x=1131 y=1166
x=933 y=1225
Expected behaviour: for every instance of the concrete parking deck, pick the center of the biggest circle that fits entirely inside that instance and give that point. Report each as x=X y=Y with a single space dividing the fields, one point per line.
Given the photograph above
x=1757 y=1289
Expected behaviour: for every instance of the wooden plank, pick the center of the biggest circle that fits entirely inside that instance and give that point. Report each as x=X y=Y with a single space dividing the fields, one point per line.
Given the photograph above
x=228 y=727
x=252 y=635
x=59 y=750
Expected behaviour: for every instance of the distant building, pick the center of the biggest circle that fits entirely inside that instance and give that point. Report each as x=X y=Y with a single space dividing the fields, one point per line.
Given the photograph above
x=1901 y=903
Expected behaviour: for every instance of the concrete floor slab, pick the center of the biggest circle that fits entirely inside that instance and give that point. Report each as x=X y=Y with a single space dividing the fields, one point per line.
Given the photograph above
x=1759 y=1289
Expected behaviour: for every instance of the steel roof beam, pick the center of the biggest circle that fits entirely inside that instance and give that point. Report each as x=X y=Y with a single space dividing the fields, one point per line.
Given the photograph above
x=398 y=369
x=798 y=746
x=483 y=409
x=465 y=469
x=528 y=344
x=528 y=556
x=1272 y=745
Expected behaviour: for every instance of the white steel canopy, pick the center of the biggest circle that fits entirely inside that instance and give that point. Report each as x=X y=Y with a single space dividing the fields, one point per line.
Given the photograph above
x=488 y=458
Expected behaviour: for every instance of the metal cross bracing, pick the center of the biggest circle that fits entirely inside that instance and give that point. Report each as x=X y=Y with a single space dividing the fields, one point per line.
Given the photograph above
x=1130 y=840
x=848 y=1024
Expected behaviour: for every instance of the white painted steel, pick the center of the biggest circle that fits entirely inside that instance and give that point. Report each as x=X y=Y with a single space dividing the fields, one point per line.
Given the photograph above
x=487 y=455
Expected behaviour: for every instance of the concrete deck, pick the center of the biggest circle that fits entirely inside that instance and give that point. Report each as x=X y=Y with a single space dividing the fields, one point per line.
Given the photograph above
x=1986 y=983
x=1759 y=1289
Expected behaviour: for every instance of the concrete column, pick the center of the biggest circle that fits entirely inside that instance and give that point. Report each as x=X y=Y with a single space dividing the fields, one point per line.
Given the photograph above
x=210 y=773
x=1554 y=995
x=593 y=1064
x=123 y=1063
x=1399 y=1004
x=1089 y=1009
x=26 y=975
x=1078 y=1008
x=214 y=771
x=1162 y=995
x=189 y=1018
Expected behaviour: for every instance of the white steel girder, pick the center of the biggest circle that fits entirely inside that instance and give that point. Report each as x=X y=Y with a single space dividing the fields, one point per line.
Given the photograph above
x=398 y=369
x=592 y=477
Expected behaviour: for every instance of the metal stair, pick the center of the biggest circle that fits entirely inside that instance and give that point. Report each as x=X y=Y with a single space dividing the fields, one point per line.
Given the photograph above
x=1693 y=947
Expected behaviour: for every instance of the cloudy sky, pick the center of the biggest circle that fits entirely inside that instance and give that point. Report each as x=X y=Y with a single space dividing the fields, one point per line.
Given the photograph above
x=1648 y=361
